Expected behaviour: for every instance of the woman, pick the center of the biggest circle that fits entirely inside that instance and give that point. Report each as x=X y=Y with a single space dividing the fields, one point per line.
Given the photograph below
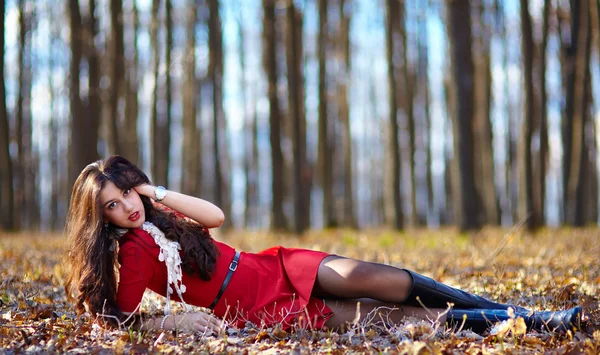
x=122 y=243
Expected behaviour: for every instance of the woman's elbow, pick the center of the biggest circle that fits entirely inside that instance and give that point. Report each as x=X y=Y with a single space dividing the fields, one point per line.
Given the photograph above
x=219 y=219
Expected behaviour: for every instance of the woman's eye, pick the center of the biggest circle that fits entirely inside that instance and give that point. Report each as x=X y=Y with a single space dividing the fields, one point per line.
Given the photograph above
x=126 y=192
x=112 y=205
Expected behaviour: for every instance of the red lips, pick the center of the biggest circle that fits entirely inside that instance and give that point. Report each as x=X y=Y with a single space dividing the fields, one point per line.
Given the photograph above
x=134 y=216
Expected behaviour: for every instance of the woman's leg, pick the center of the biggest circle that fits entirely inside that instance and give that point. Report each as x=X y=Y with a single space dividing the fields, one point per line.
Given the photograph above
x=373 y=311
x=349 y=278
x=341 y=278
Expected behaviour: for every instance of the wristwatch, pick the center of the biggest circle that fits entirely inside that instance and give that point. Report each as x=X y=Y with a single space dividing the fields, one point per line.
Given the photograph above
x=159 y=193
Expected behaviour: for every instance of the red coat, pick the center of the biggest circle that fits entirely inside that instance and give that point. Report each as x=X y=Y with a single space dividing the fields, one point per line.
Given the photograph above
x=270 y=287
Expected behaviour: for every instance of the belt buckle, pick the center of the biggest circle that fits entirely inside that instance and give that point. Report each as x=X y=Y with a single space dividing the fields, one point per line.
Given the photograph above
x=233 y=266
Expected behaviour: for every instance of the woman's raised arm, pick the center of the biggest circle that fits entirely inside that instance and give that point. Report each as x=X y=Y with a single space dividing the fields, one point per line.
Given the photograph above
x=201 y=211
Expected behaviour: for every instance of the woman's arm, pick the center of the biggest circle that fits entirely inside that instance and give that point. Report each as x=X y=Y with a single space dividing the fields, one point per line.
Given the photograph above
x=201 y=211
x=188 y=322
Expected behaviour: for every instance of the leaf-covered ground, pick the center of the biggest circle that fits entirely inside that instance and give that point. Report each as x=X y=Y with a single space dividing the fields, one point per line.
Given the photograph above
x=551 y=270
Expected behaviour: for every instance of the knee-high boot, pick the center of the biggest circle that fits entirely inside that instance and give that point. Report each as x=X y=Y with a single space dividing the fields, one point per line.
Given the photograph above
x=480 y=320
x=433 y=294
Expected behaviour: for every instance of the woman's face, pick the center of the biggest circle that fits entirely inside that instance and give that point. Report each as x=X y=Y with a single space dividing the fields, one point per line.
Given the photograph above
x=123 y=208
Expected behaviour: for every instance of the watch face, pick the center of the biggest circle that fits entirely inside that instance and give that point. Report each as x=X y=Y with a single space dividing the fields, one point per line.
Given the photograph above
x=160 y=193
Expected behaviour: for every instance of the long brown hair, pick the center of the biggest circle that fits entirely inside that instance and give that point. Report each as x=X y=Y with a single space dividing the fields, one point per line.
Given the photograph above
x=92 y=280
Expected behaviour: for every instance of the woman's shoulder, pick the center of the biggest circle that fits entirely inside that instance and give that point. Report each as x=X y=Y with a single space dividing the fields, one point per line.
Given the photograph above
x=136 y=238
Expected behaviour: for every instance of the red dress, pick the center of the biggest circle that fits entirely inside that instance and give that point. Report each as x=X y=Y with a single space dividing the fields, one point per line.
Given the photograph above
x=268 y=288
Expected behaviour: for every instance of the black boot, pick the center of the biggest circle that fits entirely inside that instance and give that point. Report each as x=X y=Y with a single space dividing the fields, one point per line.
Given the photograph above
x=480 y=320
x=435 y=294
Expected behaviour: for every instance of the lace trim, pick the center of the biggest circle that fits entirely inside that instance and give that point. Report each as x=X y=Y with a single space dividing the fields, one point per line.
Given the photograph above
x=169 y=253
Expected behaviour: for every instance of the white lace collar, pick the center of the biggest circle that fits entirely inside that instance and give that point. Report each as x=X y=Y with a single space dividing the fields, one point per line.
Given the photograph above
x=169 y=253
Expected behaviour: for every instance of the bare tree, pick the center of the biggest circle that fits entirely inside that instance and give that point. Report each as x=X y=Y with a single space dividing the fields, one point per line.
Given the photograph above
x=525 y=166
x=158 y=122
x=6 y=169
x=23 y=121
x=343 y=82
x=540 y=169
x=250 y=135
x=393 y=191
x=459 y=32
x=406 y=98
x=484 y=160
x=325 y=147
x=117 y=69
x=576 y=72
x=295 y=98
x=215 y=72
x=270 y=60
x=129 y=137
x=192 y=137
x=422 y=83
x=85 y=117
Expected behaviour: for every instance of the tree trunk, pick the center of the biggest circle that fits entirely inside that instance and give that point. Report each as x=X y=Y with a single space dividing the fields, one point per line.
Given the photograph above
x=84 y=119
x=23 y=124
x=459 y=29
x=192 y=141
x=325 y=146
x=159 y=158
x=215 y=70
x=54 y=146
x=343 y=82
x=117 y=70
x=595 y=17
x=295 y=97
x=526 y=212
x=423 y=94
x=392 y=20
x=574 y=202
x=484 y=160
x=541 y=171
x=6 y=168
x=270 y=60
x=407 y=100
x=129 y=138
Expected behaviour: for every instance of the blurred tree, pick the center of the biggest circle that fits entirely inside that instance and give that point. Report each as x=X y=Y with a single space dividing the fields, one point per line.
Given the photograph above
x=459 y=33
x=325 y=146
x=117 y=70
x=526 y=206
x=394 y=213
x=422 y=95
x=270 y=60
x=129 y=138
x=154 y=27
x=301 y=173
x=484 y=159
x=345 y=13
x=25 y=190
x=406 y=98
x=215 y=72
x=192 y=136
x=6 y=168
x=160 y=125
x=540 y=162
x=58 y=197
x=576 y=69
x=85 y=113
x=250 y=119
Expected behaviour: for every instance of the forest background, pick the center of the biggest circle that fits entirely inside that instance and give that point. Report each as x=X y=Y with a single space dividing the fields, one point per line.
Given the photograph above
x=309 y=114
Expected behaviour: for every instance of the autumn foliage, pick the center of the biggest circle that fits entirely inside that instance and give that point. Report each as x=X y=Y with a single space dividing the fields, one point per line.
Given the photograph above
x=553 y=269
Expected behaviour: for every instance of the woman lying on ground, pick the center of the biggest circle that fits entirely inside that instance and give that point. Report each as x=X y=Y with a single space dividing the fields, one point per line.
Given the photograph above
x=121 y=243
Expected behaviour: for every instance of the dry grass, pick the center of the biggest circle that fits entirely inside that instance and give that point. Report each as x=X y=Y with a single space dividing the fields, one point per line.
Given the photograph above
x=550 y=270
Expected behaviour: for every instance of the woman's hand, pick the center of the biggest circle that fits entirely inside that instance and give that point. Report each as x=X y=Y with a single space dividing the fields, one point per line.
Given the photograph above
x=200 y=322
x=145 y=190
